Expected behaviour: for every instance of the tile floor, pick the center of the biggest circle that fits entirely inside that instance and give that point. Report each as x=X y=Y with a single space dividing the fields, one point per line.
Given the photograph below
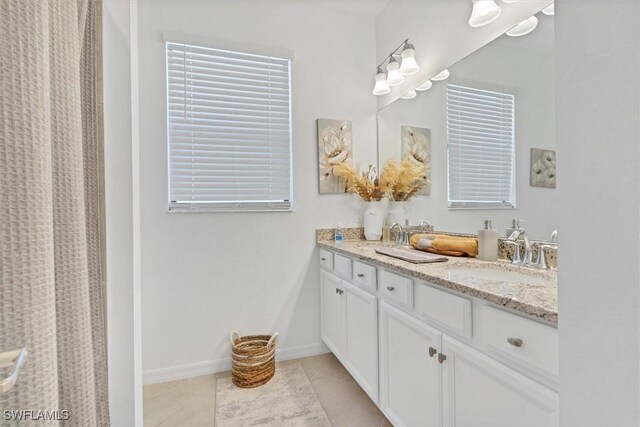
x=191 y=402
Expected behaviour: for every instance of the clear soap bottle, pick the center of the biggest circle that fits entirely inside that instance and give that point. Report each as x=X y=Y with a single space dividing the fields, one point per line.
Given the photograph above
x=339 y=235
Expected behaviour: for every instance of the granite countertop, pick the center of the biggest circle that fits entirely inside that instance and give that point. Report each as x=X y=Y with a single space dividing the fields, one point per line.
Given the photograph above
x=538 y=299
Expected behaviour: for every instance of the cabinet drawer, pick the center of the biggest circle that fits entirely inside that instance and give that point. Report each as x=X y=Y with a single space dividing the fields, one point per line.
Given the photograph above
x=451 y=312
x=364 y=276
x=326 y=260
x=396 y=289
x=529 y=344
x=342 y=266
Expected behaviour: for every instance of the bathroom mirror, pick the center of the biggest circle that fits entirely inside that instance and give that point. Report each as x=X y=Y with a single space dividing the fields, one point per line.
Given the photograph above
x=488 y=133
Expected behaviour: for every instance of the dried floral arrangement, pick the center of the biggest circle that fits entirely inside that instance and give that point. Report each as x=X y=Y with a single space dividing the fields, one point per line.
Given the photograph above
x=367 y=185
x=404 y=179
x=400 y=181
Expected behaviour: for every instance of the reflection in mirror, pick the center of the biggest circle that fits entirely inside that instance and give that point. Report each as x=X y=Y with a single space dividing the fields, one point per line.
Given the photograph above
x=488 y=133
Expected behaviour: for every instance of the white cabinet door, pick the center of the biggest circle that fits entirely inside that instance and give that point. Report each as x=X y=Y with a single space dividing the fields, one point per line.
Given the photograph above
x=362 y=338
x=410 y=375
x=332 y=314
x=478 y=391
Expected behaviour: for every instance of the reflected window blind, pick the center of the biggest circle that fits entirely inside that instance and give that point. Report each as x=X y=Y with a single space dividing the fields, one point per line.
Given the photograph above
x=480 y=133
x=229 y=130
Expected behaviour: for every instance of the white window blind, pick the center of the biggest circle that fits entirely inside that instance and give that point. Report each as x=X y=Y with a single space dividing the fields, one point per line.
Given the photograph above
x=229 y=130
x=480 y=132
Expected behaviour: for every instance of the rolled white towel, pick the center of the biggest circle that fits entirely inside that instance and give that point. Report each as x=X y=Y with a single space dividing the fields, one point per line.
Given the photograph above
x=424 y=243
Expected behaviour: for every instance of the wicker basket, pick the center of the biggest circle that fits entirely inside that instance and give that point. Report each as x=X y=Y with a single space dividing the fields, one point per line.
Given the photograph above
x=253 y=359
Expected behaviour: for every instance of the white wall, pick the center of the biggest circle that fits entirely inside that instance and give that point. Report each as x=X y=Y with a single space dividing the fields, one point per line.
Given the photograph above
x=206 y=274
x=522 y=66
x=598 y=132
x=440 y=32
x=123 y=338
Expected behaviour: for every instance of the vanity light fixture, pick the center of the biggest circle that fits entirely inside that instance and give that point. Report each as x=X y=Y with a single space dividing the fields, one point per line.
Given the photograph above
x=393 y=73
x=408 y=65
x=550 y=10
x=409 y=95
x=484 y=12
x=381 y=87
x=442 y=75
x=523 y=28
x=425 y=86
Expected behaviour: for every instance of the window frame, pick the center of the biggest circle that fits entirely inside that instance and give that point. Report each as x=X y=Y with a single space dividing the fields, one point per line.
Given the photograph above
x=483 y=205
x=218 y=206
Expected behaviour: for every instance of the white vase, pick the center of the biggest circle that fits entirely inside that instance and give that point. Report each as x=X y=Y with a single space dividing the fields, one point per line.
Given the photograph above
x=372 y=221
x=396 y=214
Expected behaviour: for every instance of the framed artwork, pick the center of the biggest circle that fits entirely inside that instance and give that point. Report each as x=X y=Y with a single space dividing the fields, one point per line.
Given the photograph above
x=543 y=168
x=416 y=146
x=334 y=147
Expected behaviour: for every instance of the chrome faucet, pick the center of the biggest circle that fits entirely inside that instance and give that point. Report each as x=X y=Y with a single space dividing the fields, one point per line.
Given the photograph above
x=541 y=260
x=527 y=247
x=402 y=237
x=425 y=226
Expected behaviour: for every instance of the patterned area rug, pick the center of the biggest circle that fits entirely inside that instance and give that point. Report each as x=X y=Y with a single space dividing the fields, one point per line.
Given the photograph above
x=288 y=399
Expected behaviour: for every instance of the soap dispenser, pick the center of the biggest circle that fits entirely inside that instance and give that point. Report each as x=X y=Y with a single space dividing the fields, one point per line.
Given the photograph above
x=515 y=225
x=488 y=242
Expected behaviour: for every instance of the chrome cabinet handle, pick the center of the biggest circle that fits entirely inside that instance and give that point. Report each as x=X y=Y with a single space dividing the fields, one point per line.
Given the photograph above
x=516 y=342
x=15 y=359
x=339 y=291
x=441 y=358
x=360 y=275
x=323 y=259
x=391 y=288
x=432 y=351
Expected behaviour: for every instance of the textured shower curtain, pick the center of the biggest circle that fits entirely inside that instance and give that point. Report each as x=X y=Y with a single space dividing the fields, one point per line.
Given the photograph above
x=51 y=209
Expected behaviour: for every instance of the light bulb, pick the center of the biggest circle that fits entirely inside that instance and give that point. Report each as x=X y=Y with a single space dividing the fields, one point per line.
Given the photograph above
x=525 y=27
x=550 y=10
x=484 y=12
x=408 y=65
x=442 y=75
x=425 y=86
x=409 y=95
x=393 y=73
x=381 y=87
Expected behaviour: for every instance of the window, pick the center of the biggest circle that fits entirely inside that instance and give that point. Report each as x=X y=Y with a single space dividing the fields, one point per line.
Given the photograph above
x=480 y=133
x=229 y=130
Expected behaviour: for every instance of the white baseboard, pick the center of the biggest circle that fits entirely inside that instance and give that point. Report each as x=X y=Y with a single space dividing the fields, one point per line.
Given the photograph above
x=181 y=372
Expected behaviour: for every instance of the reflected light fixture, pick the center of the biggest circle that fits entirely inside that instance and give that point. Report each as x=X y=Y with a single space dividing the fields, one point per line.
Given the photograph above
x=550 y=10
x=381 y=87
x=408 y=65
x=393 y=73
x=442 y=75
x=409 y=95
x=484 y=12
x=523 y=28
x=425 y=86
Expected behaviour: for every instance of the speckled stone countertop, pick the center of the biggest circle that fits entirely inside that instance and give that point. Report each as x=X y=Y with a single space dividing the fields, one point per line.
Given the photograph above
x=538 y=300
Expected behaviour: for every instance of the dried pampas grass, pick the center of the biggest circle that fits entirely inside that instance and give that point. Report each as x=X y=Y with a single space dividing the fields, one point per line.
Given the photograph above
x=399 y=180
x=403 y=180
x=366 y=185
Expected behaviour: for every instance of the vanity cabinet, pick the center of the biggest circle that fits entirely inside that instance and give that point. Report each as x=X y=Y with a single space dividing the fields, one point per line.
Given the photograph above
x=477 y=390
x=362 y=338
x=349 y=327
x=410 y=374
x=333 y=314
x=430 y=357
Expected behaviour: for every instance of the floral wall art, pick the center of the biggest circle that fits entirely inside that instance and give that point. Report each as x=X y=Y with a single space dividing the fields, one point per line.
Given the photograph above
x=416 y=147
x=543 y=168
x=334 y=148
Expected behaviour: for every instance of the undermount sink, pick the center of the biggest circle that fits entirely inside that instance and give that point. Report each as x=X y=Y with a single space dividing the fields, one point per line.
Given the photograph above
x=484 y=274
